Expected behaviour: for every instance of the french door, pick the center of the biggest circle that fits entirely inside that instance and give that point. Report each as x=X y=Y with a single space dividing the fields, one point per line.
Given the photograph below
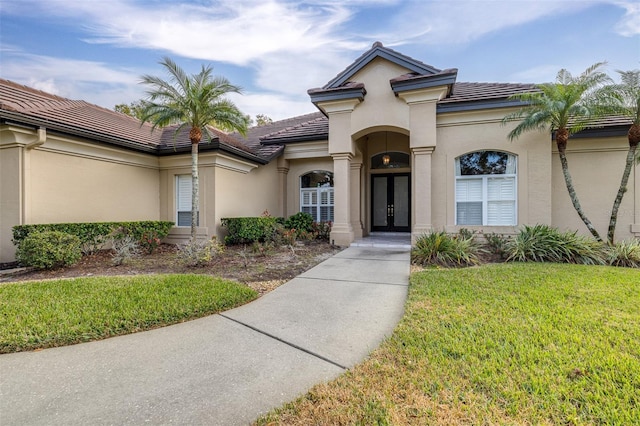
x=391 y=202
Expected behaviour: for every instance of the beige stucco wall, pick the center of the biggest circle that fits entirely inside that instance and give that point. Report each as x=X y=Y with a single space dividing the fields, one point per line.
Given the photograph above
x=66 y=179
x=69 y=188
x=462 y=133
x=229 y=187
x=381 y=106
x=596 y=166
x=246 y=194
x=297 y=168
x=10 y=198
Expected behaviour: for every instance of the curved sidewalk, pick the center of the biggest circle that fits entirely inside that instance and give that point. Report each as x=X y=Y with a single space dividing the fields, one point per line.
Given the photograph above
x=224 y=369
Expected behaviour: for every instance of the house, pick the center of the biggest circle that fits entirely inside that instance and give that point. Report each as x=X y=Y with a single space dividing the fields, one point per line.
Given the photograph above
x=397 y=145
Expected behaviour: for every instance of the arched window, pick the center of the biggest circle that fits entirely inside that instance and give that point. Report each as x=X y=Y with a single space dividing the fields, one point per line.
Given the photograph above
x=316 y=195
x=486 y=189
x=394 y=160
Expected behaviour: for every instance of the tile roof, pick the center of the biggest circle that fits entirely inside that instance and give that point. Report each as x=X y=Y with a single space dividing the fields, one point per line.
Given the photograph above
x=22 y=104
x=467 y=92
x=307 y=127
x=317 y=128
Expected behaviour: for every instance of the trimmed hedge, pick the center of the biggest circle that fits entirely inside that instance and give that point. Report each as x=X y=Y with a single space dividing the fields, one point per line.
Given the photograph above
x=244 y=230
x=94 y=234
x=49 y=249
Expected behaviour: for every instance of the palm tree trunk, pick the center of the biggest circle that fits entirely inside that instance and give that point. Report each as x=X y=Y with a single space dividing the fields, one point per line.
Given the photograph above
x=195 y=193
x=572 y=191
x=631 y=154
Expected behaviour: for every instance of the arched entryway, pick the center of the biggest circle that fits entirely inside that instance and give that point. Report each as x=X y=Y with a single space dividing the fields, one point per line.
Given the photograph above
x=389 y=182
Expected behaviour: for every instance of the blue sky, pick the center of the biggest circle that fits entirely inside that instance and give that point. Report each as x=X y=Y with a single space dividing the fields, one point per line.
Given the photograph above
x=96 y=50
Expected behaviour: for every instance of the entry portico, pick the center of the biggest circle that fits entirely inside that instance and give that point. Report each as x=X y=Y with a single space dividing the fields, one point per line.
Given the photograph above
x=384 y=97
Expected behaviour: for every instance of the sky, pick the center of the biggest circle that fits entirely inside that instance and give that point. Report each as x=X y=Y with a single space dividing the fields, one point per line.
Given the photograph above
x=97 y=50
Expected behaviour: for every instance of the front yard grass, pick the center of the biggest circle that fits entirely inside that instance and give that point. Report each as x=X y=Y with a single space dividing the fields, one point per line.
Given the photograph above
x=44 y=314
x=497 y=344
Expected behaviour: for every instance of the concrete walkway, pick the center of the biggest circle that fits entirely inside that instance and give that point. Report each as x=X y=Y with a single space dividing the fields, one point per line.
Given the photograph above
x=224 y=369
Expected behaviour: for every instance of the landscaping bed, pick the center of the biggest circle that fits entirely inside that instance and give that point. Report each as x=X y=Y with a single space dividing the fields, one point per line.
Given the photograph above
x=261 y=267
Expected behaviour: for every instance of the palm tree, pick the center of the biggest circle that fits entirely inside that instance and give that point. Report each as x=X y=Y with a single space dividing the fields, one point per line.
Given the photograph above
x=195 y=101
x=564 y=108
x=624 y=99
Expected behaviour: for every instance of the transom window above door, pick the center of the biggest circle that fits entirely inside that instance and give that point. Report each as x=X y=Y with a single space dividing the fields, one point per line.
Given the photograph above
x=393 y=160
x=486 y=186
x=316 y=195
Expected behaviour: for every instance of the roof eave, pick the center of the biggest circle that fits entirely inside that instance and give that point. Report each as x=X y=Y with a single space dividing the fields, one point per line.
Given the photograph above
x=478 y=105
x=293 y=139
x=379 y=50
x=425 y=82
x=19 y=118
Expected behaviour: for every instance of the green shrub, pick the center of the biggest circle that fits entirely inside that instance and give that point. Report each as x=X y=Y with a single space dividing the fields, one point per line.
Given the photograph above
x=440 y=248
x=301 y=222
x=93 y=235
x=542 y=243
x=624 y=253
x=321 y=230
x=497 y=243
x=49 y=249
x=243 y=230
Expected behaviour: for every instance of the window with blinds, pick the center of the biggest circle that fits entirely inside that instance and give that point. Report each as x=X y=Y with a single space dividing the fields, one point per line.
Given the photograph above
x=183 y=200
x=316 y=195
x=486 y=189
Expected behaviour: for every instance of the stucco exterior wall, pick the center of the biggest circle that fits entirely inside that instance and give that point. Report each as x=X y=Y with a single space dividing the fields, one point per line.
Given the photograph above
x=245 y=194
x=381 y=106
x=462 y=133
x=11 y=211
x=71 y=188
x=596 y=166
x=297 y=168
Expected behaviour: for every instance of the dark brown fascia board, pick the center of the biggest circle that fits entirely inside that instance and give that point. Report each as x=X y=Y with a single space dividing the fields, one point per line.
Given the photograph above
x=294 y=139
x=212 y=145
x=18 y=119
x=425 y=82
x=382 y=52
x=603 y=132
x=479 y=104
x=64 y=129
x=320 y=95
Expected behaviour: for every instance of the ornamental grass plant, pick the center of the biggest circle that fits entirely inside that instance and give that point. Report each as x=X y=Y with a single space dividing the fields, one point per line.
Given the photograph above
x=442 y=249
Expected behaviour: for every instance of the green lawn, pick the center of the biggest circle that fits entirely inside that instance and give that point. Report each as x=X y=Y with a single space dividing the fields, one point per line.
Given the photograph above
x=497 y=344
x=61 y=312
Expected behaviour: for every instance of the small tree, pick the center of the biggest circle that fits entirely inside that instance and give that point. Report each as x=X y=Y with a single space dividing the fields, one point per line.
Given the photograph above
x=134 y=109
x=564 y=108
x=623 y=99
x=195 y=101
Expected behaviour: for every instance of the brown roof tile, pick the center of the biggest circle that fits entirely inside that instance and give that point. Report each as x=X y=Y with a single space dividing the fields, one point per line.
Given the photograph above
x=18 y=102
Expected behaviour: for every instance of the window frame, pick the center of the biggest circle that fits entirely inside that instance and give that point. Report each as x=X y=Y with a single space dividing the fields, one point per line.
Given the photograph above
x=316 y=194
x=189 y=178
x=484 y=179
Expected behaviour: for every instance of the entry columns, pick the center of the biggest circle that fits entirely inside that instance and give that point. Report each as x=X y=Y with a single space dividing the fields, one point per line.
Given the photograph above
x=421 y=190
x=423 y=140
x=342 y=231
x=356 y=198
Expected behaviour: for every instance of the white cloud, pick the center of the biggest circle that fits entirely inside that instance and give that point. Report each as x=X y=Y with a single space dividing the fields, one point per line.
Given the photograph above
x=274 y=105
x=289 y=46
x=629 y=25
x=95 y=82
x=458 y=22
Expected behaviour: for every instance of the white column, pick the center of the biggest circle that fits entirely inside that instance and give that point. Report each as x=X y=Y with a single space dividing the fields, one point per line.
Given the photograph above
x=342 y=231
